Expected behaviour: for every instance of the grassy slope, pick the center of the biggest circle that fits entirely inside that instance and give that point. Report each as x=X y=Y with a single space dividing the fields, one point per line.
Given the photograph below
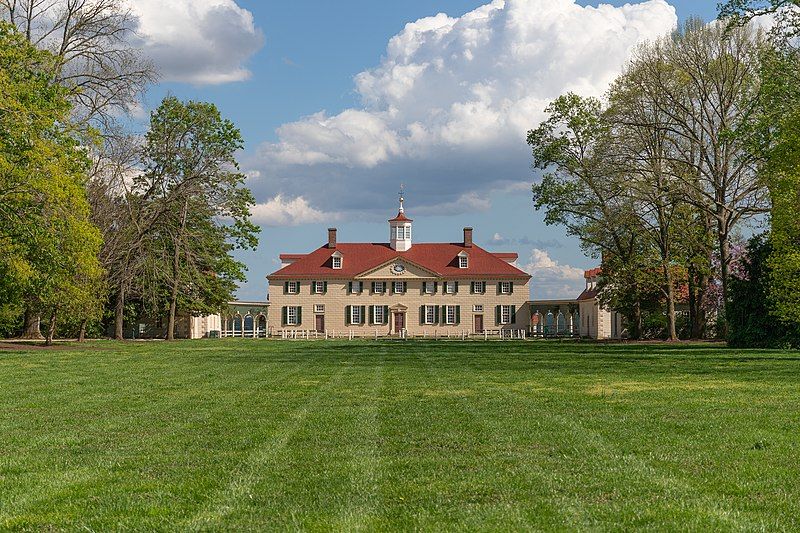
x=255 y=434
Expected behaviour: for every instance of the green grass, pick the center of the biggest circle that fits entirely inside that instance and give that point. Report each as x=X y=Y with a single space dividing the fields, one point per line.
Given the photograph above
x=243 y=434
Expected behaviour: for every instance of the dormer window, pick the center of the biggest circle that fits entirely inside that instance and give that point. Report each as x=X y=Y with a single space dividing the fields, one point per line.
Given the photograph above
x=336 y=260
x=463 y=260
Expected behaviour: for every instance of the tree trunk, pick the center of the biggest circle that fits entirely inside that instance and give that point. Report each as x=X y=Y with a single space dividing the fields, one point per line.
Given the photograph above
x=119 y=314
x=82 y=331
x=670 y=290
x=173 y=305
x=31 y=329
x=636 y=322
x=724 y=260
x=51 y=329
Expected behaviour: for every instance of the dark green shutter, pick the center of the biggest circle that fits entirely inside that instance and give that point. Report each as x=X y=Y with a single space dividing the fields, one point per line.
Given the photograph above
x=299 y=316
x=421 y=315
x=497 y=315
x=513 y=318
x=435 y=286
x=347 y=315
x=363 y=313
x=436 y=314
x=472 y=287
x=373 y=287
x=499 y=290
x=385 y=314
x=510 y=287
x=284 y=315
x=458 y=314
x=324 y=287
x=285 y=287
x=371 y=314
x=349 y=287
x=456 y=288
x=405 y=287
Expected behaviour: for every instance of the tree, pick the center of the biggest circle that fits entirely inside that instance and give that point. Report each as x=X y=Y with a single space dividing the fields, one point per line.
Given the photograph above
x=704 y=83
x=581 y=191
x=48 y=245
x=198 y=211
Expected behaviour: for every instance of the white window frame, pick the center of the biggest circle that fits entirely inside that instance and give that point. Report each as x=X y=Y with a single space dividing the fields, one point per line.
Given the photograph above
x=359 y=285
x=428 y=288
x=463 y=261
x=336 y=262
x=376 y=318
x=505 y=287
x=450 y=287
x=291 y=315
x=293 y=287
x=407 y=232
x=382 y=285
x=399 y=284
x=450 y=314
x=319 y=308
x=355 y=314
x=479 y=287
x=319 y=287
x=477 y=308
x=430 y=314
x=505 y=314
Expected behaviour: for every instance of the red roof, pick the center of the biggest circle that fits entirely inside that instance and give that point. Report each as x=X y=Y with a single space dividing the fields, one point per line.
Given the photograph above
x=439 y=258
x=507 y=256
x=401 y=216
x=592 y=273
x=588 y=294
x=291 y=257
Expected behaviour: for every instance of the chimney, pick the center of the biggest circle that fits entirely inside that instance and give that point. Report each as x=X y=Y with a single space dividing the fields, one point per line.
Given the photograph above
x=331 y=237
x=468 y=237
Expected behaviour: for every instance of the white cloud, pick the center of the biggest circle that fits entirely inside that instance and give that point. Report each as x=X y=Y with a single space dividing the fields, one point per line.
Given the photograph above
x=279 y=211
x=447 y=108
x=197 y=41
x=550 y=279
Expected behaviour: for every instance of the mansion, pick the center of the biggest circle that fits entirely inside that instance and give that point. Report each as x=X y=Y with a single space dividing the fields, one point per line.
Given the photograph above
x=399 y=287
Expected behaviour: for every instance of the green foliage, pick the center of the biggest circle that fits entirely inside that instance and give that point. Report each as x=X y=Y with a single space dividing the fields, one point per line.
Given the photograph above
x=48 y=246
x=752 y=317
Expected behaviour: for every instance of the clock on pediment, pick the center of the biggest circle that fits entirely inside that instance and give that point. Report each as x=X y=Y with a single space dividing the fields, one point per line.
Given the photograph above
x=398 y=268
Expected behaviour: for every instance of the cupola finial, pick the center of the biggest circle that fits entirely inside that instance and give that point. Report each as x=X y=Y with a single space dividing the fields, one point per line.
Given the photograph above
x=402 y=188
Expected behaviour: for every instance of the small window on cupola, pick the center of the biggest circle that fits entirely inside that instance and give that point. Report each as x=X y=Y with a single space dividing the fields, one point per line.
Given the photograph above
x=463 y=260
x=336 y=260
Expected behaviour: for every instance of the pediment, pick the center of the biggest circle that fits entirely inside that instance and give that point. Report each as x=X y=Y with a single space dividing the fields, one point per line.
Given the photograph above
x=408 y=270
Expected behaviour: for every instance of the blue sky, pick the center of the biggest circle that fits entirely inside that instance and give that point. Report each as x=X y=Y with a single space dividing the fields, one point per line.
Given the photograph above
x=443 y=109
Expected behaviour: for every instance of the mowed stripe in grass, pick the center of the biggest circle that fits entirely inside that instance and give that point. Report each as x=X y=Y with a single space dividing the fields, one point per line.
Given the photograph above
x=242 y=434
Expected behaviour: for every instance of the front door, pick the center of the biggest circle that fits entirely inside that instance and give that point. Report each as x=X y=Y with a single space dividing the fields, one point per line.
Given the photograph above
x=320 y=323
x=478 y=323
x=399 y=322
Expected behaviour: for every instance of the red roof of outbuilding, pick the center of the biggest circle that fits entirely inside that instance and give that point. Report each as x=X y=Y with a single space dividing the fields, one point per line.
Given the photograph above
x=439 y=258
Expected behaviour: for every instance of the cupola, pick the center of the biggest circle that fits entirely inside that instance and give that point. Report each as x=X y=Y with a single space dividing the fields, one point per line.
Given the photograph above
x=400 y=229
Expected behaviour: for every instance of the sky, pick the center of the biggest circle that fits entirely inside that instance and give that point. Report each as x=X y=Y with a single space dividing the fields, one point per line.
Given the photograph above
x=341 y=102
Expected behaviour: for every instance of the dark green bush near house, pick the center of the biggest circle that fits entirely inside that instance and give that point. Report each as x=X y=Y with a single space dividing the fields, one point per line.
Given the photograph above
x=750 y=323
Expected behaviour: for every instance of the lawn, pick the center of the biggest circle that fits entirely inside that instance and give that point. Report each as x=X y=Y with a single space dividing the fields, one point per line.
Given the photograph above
x=253 y=434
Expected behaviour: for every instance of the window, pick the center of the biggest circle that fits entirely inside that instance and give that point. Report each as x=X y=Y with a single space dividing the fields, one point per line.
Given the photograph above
x=450 y=316
x=429 y=287
x=451 y=287
x=430 y=314
x=319 y=287
x=356 y=286
x=336 y=262
x=408 y=232
x=477 y=309
x=378 y=315
x=319 y=308
x=379 y=287
x=291 y=315
x=355 y=314
x=399 y=287
x=505 y=314
x=462 y=261
x=505 y=287
x=292 y=287
x=479 y=287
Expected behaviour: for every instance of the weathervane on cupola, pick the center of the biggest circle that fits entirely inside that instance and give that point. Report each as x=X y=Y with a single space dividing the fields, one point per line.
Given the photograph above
x=400 y=227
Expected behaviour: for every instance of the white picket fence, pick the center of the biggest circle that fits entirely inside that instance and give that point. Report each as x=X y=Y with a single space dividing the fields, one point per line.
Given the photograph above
x=349 y=334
